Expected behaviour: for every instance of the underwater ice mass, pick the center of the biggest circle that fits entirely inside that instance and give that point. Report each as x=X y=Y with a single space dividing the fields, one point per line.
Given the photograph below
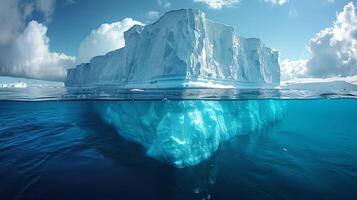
x=183 y=49
x=184 y=133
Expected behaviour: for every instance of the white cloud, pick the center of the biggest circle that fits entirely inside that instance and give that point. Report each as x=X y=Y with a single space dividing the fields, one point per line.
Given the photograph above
x=13 y=14
x=218 y=4
x=107 y=37
x=34 y=58
x=291 y=69
x=31 y=56
x=332 y=51
x=24 y=49
x=277 y=2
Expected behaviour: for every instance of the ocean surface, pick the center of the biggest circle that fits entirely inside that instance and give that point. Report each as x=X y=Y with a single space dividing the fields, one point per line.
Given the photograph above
x=54 y=145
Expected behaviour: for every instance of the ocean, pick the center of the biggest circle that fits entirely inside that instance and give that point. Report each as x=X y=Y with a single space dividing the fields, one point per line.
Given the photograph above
x=59 y=147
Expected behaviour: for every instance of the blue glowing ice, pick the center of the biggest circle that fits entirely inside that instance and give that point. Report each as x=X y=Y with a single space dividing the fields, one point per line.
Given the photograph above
x=184 y=133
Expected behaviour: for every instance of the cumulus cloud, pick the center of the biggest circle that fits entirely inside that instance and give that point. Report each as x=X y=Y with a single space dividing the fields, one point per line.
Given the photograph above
x=13 y=14
x=34 y=59
x=332 y=51
x=218 y=4
x=107 y=37
x=24 y=49
x=291 y=69
x=30 y=56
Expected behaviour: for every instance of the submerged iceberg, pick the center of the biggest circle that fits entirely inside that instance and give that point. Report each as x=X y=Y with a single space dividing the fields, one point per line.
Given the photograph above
x=183 y=133
x=182 y=49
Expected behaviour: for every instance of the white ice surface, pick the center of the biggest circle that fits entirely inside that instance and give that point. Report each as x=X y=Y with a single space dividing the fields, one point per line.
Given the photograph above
x=322 y=84
x=182 y=47
x=13 y=82
x=13 y=85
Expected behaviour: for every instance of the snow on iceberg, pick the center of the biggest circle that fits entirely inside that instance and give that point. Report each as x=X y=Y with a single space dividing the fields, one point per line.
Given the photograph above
x=19 y=84
x=322 y=84
x=184 y=133
x=182 y=49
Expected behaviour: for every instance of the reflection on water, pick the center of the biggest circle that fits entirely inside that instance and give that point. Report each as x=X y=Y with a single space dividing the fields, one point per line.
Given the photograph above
x=120 y=94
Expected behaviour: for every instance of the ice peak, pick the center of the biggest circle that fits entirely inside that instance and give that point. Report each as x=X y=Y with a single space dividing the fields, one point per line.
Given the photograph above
x=180 y=48
x=183 y=13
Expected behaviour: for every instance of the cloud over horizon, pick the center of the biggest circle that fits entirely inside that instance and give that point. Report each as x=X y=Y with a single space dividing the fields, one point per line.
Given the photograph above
x=33 y=58
x=25 y=47
x=332 y=51
x=107 y=37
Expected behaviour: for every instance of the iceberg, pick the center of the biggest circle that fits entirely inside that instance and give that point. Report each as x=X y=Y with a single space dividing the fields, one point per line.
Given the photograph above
x=183 y=133
x=322 y=84
x=182 y=49
x=19 y=84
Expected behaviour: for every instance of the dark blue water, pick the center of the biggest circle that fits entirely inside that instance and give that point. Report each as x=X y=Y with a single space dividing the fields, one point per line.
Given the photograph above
x=63 y=150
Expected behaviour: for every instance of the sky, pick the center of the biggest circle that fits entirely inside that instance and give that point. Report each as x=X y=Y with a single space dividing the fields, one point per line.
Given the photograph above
x=42 y=38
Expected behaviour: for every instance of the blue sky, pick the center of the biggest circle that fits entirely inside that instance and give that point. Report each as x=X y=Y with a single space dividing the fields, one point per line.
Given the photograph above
x=287 y=28
x=42 y=38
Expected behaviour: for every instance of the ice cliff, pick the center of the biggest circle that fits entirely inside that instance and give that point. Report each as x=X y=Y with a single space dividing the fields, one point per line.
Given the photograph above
x=180 y=49
x=184 y=49
x=183 y=133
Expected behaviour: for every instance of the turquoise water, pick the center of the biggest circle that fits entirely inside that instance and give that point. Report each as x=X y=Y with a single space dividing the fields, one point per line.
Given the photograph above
x=65 y=150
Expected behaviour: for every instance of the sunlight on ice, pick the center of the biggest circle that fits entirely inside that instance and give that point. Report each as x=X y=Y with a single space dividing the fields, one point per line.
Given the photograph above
x=184 y=133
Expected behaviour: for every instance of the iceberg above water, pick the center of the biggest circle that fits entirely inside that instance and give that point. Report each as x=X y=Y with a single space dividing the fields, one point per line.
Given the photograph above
x=182 y=49
x=322 y=84
x=184 y=133
x=13 y=85
x=14 y=82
